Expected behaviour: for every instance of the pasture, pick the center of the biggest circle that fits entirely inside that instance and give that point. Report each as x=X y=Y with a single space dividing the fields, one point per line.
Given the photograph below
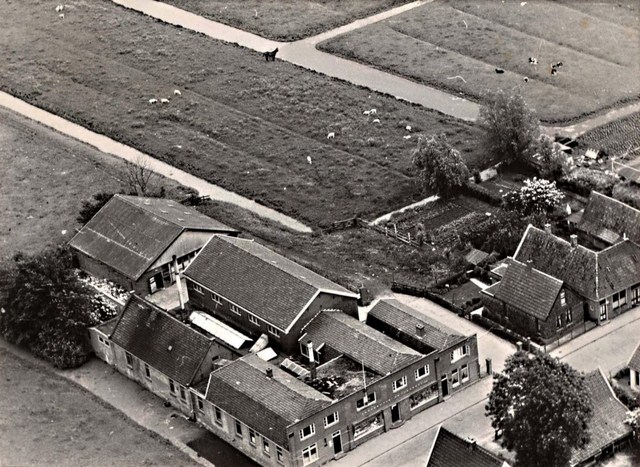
x=457 y=45
x=284 y=20
x=259 y=129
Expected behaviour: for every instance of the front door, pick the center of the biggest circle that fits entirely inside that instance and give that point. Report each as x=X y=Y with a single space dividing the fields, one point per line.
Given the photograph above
x=155 y=282
x=445 y=386
x=395 y=413
x=337 y=443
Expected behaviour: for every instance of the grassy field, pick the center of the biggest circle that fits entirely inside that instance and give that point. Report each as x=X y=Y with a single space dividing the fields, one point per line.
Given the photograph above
x=47 y=420
x=244 y=124
x=285 y=20
x=45 y=177
x=616 y=138
x=456 y=45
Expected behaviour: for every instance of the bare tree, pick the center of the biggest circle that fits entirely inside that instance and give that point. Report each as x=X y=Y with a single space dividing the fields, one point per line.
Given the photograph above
x=140 y=177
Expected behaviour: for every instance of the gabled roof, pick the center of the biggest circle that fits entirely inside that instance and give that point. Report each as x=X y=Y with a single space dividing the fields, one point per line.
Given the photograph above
x=634 y=361
x=156 y=338
x=450 y=450
x=527 y=289
x=361 y=343
x=259 y=280
x=268 y=405
x=607 y=424
x=129 y=232
x=476 y=256
x=592 y=274
x=404 y=318
x=609 y=220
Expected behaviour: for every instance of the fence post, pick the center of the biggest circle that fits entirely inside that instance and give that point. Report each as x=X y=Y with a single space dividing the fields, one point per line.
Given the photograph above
x=385 y=231
x=409 y=235
x=395 y=230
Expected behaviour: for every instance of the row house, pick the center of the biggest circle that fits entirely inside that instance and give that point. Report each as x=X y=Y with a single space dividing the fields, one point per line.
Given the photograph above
x=456 y=354
x=160 y=353
x=552 y=285
x=142 y=244
x=260 y=292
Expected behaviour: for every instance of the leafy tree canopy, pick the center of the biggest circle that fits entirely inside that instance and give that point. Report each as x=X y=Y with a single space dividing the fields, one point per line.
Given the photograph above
x=536 y=196
x=440 y=166
x=46 y=308
x=90 y=207
x=543 y=408
x=511 y=129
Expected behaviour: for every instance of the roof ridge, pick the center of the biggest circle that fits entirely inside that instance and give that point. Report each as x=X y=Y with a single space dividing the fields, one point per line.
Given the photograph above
x=537 y=270
x=125 y=198
x=615 y=200
x=375 y=332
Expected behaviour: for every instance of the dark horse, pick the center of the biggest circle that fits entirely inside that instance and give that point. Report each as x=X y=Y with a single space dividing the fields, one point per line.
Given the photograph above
x=270 y=55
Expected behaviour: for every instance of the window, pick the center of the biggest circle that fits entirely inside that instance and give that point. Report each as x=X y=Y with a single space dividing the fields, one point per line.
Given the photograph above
x=197 y=288
x=147 y=371
x=310 y=454
x=422 y=372
x=200 y=404
x=366 y=401
x=129 y=360
x=399 y=384
x=563 y=298
x=603 y=310
x=331 y=419
x=216 y=298
x=238 y=429
x=252 y=436
x=308 y=431
x=464 y=373
x=254 y=320
x=304 y=349
x=422 y=397
x=568 y=316
x=635 y=296
x=559 y=321
x=265 y=447
x=218 y=416
x=273 y=330
x=104 y=341
x=172 y=386
x=455 y=378
x=619 y=299
x=279 y=454
x=234 y=309
x=183 y=394
x=459 y=353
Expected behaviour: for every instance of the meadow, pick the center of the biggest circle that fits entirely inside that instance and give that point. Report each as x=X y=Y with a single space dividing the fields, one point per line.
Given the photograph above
x=457 y=45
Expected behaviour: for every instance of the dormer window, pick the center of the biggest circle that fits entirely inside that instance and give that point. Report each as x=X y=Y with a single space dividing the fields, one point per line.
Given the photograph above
x=563 y=298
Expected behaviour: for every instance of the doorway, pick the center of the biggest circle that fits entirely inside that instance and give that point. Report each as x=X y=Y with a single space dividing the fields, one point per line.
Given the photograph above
x=395 y=413
x=155 y=282
x=337 y=442
x=445 y=386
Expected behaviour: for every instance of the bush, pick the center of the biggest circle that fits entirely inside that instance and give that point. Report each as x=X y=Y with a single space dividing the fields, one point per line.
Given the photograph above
x=536 y=196
x=627 y=193
x=583 y=181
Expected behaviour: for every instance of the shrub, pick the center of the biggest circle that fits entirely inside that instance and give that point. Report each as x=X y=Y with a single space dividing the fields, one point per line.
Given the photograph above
x=536 y=196
x=627 y=193
x=583 y=181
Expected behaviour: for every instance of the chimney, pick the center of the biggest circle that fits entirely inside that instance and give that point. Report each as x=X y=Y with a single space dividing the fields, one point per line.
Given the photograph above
x=419 y=330
x=310 y=352
x=547 y=228
x=472 y=445
x=313 y=371
x=574 y=240
x=269 y=372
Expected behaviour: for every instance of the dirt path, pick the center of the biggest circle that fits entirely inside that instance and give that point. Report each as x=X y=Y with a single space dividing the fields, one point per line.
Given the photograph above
x=110 y=146
x=578 y=129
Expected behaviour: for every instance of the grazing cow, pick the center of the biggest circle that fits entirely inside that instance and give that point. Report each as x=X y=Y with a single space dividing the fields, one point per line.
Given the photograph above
x=558 y=65
x=533 y=60
x=270 y=55
x=331 y=135
x=525 y=79
x=499 y=71
x=554 y=71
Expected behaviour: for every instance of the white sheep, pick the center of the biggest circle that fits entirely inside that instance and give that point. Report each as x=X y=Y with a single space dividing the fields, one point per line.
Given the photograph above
x=373 y=111
x=153 y=101
x=164 y=100
x=376 y=120
x=177 y=92
x=408 y=127
x=59 y=8
x=309 y=159
x=366 y=112
x=331 y=135
x=407 y=137
x=61 y=15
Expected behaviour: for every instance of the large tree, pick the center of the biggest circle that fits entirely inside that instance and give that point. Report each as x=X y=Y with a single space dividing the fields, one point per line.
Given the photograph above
x=45 y=308
x=511 y=129
x=440 y=166
x=542 y=407
x=535 y=197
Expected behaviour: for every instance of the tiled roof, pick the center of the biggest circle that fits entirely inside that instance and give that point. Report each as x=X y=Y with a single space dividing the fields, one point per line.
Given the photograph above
x=450 y=450
x=129 y=232
x=268 y=405
x=359 y=342
x=161 y=341
x=607 y=424
x=609 y=219
x=475 y=256
x=404 y=318
x=259 y=280
x=528 y=290
x=634 y=361
x=594 y=275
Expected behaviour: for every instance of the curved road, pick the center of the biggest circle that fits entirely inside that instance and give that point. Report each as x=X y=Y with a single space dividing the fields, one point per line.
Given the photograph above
x=130 y=154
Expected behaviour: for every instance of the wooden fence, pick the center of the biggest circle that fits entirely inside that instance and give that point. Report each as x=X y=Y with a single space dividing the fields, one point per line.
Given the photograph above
x=394 y=233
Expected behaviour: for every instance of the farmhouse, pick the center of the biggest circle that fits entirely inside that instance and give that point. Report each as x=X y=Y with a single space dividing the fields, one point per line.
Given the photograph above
x=348 y=384
x=449 y=450
x=259 y=291
x=139 y=242
x=606 y=221
x=456 y=355
x=157 y=351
